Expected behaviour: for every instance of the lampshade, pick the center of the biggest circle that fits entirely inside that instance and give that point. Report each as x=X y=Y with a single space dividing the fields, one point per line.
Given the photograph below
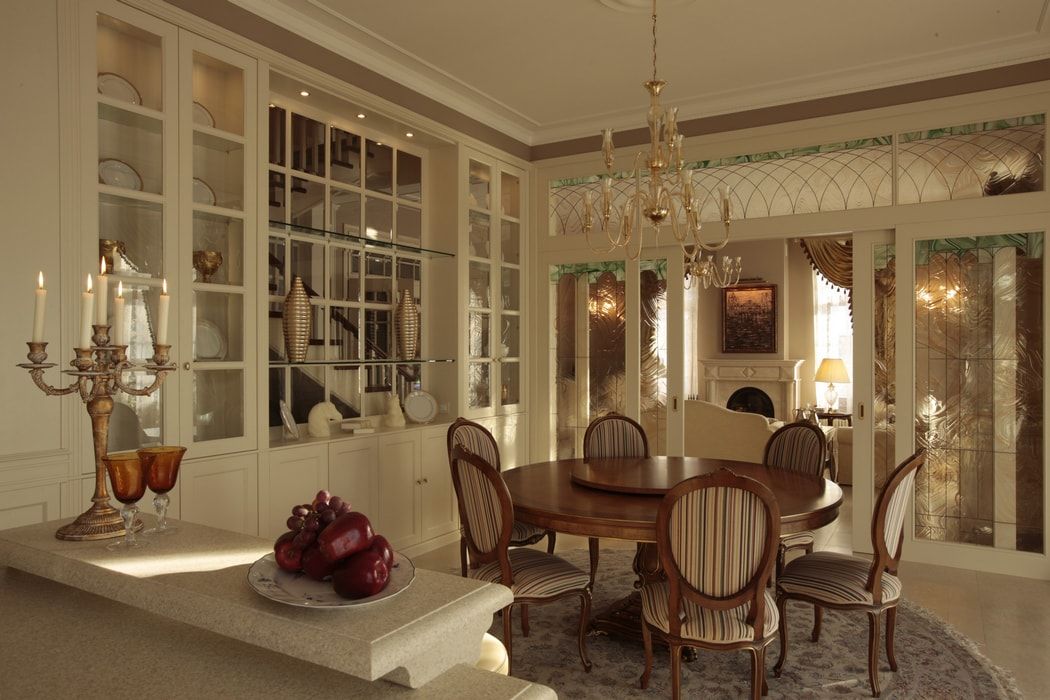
x=832 y=369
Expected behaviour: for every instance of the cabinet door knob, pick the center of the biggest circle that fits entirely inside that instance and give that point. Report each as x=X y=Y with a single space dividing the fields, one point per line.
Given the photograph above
x=419 y=482
x=426 y=480
x=186 y=366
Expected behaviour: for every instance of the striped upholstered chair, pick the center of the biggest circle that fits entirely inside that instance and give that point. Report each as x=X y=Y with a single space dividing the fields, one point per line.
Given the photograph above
x=717 y=536
x=612 y=435
x=535 y=578
x=477 y=439
x=801 y=448
x=843 y=582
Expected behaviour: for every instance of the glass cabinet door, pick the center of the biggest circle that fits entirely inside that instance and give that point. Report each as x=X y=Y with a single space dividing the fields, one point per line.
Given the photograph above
x=493 y=273
x=216 y=280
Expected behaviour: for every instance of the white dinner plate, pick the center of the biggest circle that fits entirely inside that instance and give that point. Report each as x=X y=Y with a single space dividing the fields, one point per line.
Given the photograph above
x=420 y=407
x=273 y=582
x=203 y=193
x=288 y=419
x=117 y=173
x=202 y=116
x=117 y=87
x=209 y=342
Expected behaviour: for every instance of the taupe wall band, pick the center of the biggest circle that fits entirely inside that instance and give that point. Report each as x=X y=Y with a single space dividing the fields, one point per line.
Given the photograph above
x=261 y=31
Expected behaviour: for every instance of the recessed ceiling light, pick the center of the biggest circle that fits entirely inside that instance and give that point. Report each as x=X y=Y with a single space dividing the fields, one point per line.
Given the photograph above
x=304 y=93
x=409 y=134
x=361 y=116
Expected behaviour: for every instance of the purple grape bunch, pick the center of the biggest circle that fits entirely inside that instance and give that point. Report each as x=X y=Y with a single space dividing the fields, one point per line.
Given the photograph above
x=308 y=520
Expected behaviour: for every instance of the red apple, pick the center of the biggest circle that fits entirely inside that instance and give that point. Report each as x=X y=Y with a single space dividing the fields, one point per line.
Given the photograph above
x=381 y=546
x=361 y=575
x=286 y=554
x=315 y=565
x=348 y=534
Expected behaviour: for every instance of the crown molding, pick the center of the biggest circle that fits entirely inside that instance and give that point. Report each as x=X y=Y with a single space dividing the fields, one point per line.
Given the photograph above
x=358 y=44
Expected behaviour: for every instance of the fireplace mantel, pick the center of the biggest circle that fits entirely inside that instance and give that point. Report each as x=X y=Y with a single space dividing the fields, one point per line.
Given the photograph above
x=778 y=378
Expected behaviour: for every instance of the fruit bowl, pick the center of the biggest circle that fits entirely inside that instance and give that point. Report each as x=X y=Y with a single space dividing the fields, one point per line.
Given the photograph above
x=270 y=581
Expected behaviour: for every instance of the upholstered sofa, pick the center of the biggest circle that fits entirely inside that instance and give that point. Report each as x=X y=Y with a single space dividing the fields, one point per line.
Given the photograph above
x=713 y=431
x=884 y=449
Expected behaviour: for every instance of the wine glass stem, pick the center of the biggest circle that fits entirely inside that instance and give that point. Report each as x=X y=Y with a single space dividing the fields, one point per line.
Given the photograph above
x=160 y=502
x=128 y=512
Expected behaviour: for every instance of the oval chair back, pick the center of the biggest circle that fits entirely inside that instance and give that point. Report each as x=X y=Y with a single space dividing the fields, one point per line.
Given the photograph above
x=485 y=509
x=614 y=435
x=797 y=447
x=717 y=537
x=887 y=523
x=475 y=438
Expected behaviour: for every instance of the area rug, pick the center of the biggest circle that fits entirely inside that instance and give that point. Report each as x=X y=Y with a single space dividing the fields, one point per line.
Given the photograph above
x=935 y=660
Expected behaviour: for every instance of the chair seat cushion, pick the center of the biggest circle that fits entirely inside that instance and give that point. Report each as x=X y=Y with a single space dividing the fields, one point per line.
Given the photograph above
x=796 y=539
x=523 y=534
x=835 y=578
x=703 y=624
x=536 y=574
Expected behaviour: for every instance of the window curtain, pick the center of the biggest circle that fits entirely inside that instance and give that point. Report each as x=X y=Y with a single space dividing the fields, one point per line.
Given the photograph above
x=833 y=260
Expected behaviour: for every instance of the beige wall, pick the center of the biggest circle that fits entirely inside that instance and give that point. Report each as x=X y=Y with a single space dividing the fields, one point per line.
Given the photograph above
x=29 y=200
x=782 y=263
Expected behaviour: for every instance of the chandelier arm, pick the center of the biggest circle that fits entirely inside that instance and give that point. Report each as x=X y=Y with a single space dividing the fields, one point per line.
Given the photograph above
x=714 y=247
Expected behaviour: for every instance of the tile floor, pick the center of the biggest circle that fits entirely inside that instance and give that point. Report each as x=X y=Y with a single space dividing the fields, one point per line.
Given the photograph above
x=1008 y=617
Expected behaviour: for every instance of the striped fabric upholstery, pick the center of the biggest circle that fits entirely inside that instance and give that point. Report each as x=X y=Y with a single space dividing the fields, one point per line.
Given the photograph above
x=614 y=438
x=895 y=512
x=718 y=538
x=798 y=448
x=479 y=441
x=703 y=624
x=835 y=578
x=536 y=574
x=523 y=532
x=482 y=507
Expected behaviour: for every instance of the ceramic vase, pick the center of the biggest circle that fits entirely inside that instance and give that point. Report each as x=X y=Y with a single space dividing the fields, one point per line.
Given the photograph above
x=407 y=324
x=394 y=417
x=296 y=321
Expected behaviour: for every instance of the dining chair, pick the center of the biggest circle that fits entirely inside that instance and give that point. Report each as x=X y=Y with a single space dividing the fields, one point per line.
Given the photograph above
x=477 y=439
x=535 y=578
x=801 y=448
x=612 y=435
x=717 y=537
x=843 y=582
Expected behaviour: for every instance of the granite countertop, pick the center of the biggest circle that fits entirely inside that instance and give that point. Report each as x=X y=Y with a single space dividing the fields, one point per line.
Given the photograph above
x=197 y=577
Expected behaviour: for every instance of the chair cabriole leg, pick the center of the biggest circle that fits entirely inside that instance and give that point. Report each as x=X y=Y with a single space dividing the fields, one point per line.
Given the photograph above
x=818 y=618
x=758 y=672
x=873 y=652
x=551 y=536
x=463 y=556
x=525 y=620
x=647 y=642
x=508 y=632
x=592 y=547
x=585 y=616
x=891 y=626
x=782 y=609
x=676 y=671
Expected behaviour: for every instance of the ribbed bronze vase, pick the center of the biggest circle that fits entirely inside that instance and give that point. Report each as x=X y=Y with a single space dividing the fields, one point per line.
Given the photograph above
x=296 y=321
x=407 y=322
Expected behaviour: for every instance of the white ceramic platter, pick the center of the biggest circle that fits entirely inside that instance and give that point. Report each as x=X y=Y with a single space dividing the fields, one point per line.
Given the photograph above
x=113 y=85
x=270 y=581
x=288 y=419
x=117 y=173
x=202 y=116
x=420 y=407
x=209 y=343
x=203 y=193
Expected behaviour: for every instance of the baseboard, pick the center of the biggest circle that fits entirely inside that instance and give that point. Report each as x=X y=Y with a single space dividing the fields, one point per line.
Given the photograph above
x=431 y=544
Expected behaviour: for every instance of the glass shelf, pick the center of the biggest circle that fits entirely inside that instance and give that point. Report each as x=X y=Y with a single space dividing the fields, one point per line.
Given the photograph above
x=366 y=242
x=357 y=363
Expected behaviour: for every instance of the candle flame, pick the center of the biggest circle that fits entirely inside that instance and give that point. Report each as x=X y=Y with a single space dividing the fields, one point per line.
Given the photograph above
x=102 y=266
x=164 y=286
x=89 y=283
x=120 y=290
x=40 y=280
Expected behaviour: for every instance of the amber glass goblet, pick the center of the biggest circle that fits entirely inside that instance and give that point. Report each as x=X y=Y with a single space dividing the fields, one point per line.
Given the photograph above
x=128 y=479
x=161 y=465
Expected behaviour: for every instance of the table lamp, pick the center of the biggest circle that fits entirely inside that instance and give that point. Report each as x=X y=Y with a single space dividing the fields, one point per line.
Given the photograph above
x=832 y=370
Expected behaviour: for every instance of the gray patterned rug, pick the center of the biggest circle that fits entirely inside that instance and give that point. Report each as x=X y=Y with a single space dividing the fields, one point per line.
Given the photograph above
x=935 y=660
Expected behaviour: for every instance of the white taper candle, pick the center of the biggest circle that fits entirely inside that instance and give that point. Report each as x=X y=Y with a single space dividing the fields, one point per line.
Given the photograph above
x=102 y=306
x=87 y=315
x=162 y=315
x=118 y=316
x=38 y=310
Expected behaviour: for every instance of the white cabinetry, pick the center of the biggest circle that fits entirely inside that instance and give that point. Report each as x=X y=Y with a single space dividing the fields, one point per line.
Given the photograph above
x=353 y=472
x=293 y=477
x=222 y=492
x=30 y=505
x=437 y=502
x=399 y=489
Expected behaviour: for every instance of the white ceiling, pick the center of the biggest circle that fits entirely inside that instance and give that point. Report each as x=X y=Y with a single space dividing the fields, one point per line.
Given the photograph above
x=548 y=70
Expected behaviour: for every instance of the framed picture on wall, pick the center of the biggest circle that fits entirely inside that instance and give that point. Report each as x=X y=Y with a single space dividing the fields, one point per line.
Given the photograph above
x=749 y=318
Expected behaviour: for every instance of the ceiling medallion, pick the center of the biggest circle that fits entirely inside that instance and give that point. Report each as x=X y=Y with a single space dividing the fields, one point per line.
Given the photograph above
x=640 y=5
x=654 y=200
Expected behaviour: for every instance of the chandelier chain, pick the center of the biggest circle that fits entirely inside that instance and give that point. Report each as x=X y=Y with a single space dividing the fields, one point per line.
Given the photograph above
x=654 y=40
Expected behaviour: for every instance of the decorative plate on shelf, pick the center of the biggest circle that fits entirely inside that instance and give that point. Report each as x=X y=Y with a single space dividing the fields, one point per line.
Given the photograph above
x=288 y=420
x=420 y=407
x=202 y=116
x=117 y=87
x=203 y=193
x=209 y=342
x=271 y=581
x=117 y=173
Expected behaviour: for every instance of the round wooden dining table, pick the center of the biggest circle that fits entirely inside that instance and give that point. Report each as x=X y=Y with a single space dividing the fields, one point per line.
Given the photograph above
x=618 y=498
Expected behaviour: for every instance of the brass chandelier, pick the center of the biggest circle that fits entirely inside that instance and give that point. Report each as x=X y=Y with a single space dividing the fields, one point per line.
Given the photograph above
x=655 y=201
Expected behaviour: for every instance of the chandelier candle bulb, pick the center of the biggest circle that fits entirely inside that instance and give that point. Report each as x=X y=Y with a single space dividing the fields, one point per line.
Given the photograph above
x=38 y=309
x=87 y=315
x=118 y=316
x=101 y=308
x=162 y=314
